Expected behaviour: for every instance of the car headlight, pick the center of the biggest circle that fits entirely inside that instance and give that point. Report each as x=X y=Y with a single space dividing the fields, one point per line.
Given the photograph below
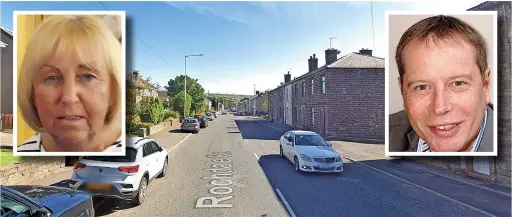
x=305 y=158
x=338 y=159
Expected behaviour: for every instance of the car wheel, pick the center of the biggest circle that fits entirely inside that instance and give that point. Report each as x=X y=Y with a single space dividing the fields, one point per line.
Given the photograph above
x=296 y=164
x=281 y=151
x=164 y=170
x=141 y=195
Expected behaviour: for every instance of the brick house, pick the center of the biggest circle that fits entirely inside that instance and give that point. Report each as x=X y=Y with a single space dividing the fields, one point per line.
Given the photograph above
x=344 y=99
x=495 y=169
x=6 y=71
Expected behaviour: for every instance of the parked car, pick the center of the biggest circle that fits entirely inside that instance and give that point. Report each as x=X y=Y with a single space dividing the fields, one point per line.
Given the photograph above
x=308 y=151
x=203 y=121
x=123 y=177
x=190 y=125
x=43 y=201
x=210 y=116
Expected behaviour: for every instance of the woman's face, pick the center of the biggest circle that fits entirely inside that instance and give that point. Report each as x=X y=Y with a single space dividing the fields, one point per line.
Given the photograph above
x=72 y=98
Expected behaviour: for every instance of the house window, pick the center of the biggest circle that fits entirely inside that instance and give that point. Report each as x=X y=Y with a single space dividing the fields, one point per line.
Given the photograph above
x=312 y=85
x=303 y=88
x=313 y=115
x=323 y=84
x=296 y=90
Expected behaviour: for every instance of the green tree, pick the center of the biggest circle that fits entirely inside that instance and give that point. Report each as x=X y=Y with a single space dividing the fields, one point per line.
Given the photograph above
x=178 y=102
x=264 y=105
x=131 y=105
x=194 y=90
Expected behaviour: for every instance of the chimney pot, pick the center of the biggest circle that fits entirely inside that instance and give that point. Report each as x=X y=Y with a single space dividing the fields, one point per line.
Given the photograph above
x=312 y=63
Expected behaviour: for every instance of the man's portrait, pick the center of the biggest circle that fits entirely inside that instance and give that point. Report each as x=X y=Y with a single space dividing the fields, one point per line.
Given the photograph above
x=441 y=81
x=69 y=87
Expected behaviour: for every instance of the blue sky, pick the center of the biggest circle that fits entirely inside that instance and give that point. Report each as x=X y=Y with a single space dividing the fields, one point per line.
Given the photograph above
x=244 y=43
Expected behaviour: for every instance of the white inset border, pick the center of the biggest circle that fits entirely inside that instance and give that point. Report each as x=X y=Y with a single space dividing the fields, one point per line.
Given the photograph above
x=15 y=83
x=494 y=81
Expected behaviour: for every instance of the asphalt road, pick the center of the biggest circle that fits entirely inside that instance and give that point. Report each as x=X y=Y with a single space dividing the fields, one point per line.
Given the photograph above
x=235 y=161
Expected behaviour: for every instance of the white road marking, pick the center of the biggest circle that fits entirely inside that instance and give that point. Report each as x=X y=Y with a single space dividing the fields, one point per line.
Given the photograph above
x=179 y=143
x=292 y=214
x=282 y=131
x=426 y=189
x=246 y=140
x=258 y=158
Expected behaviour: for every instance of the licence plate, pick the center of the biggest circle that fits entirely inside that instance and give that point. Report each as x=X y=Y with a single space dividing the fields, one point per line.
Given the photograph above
x=98 y=186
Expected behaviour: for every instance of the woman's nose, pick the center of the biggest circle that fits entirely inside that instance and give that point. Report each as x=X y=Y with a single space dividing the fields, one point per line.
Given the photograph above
x=69 y=92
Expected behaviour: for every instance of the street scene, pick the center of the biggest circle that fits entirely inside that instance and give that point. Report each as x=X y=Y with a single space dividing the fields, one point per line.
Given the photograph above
x=253 y=109
x=261 y=183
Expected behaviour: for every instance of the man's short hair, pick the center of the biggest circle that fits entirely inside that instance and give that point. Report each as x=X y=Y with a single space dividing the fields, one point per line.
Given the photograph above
x=86 y=35
x=442 y=27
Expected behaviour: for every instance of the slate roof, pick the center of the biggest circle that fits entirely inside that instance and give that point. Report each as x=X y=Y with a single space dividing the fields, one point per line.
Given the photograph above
x=356 y=60
x=3 y=44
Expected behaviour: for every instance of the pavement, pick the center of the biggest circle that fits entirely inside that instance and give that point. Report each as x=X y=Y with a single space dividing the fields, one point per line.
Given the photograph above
x=5 y=139
x=257 y=182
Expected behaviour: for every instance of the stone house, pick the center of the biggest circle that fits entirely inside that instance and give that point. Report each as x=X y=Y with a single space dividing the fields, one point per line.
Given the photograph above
x=145 y=89
x=343 y=99
x=6 y=71
x=280 y=102
x=255 y=103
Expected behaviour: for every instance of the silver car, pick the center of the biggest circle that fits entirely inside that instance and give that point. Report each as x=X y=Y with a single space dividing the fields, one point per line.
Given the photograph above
x=308 y=151
x=190 y=125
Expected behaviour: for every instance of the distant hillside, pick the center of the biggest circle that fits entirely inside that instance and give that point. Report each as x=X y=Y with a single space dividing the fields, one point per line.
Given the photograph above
x=227 y=98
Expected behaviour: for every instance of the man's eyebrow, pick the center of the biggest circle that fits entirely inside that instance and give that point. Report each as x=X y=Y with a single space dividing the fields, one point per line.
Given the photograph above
x=466 y=76
x=410 y=83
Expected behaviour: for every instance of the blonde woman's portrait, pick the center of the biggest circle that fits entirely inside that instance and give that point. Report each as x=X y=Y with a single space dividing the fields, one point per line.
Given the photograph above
x=69 y=84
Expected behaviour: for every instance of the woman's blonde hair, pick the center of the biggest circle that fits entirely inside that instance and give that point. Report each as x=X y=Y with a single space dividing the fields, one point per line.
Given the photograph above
x=86 y=36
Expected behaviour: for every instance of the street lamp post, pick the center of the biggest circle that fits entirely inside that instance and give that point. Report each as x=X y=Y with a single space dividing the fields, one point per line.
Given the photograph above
x=185 y=102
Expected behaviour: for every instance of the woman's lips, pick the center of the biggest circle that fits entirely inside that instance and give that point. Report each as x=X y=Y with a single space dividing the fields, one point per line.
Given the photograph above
x=69 y=120
x=445 y=130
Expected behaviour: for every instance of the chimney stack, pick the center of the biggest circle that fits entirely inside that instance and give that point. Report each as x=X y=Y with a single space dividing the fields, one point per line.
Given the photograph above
x=364 y=51
x=331 y=55
x=287 y=77
x=313 y=63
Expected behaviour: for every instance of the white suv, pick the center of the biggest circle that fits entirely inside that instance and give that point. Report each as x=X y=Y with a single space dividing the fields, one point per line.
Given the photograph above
x=124 y=177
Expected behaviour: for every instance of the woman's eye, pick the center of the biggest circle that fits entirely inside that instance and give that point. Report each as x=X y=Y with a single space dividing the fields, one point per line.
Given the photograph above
x=51 y=78
x=88 y=77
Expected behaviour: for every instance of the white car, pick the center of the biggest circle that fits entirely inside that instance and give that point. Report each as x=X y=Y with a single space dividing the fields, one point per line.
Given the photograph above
x=124 y=177
x=308 y=151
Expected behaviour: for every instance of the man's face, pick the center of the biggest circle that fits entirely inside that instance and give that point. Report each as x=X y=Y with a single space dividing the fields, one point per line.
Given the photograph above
x=444 y=93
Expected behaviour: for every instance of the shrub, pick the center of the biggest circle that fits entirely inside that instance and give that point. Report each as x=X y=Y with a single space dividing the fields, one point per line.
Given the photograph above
x=152 y=110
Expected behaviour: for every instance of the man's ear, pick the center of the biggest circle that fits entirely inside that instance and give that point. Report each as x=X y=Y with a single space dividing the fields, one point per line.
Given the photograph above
x=113 y=22
x=487 y=85
x=400 y=85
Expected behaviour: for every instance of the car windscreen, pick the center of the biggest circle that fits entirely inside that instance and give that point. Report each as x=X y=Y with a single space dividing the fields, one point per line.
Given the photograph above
x=191 y=121
x=130 y=156
x=309 y=140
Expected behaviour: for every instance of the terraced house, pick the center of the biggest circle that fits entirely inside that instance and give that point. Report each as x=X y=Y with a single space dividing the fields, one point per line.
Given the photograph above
x=343 y=99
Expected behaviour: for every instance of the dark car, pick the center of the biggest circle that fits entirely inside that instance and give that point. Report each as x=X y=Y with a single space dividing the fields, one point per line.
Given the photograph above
x=43 y=201
x=203 y=120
